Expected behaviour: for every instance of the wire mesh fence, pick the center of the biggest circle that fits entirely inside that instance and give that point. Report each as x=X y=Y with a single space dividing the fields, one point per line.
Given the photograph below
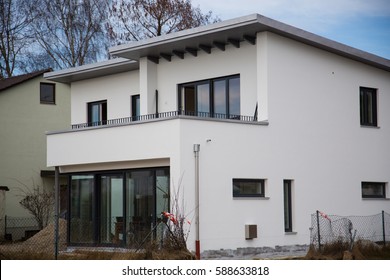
x=24 y=240
x=327 y=229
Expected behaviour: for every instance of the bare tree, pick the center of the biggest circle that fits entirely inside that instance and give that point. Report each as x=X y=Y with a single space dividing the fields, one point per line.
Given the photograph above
x=133 y=20
x=70 y=31
x=40 y=204
x=14 y=35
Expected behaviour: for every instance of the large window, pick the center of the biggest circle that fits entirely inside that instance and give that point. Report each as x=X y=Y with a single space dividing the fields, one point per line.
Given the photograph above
x=97 y=113
x=218 y=98
x=368 y=106
x=117 y=208
x=47 y=93
x=248 y=187
x=373 y=190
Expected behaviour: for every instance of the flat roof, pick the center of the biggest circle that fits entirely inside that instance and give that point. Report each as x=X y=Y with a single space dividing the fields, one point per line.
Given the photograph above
x=94 y=70
x=232 y=32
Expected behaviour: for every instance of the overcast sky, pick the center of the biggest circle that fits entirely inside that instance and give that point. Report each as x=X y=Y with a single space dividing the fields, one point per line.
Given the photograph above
x=362 y=24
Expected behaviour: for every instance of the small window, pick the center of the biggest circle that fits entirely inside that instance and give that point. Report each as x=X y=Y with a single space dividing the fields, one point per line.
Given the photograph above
x=373 y=190
x=135 y=107
x=287 y=188
x=47 y=93
x=368 y=106
x=248 y=187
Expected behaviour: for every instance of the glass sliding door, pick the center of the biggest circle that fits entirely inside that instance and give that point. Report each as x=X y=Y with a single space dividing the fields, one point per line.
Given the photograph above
x=81 y=209
x=111 y=209
x=203 y=99
x=234 y=97
x=118 y=208
x=220 y=104
x=188 y=100
x=140 y=205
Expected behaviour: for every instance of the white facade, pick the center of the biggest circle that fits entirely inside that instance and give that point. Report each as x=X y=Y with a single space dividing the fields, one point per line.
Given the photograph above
x=308 y=131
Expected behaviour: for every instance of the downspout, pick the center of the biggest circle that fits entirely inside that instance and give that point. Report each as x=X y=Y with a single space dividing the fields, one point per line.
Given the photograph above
x=197 y=241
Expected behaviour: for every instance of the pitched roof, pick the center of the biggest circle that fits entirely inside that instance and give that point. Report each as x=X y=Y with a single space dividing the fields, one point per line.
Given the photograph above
x=10 y=82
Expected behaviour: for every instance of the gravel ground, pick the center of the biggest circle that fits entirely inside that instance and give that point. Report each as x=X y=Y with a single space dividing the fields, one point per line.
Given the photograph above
x=278 y=252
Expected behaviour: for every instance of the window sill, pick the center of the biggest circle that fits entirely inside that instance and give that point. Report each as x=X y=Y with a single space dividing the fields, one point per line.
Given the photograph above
x=250 y=198
x=370 y=126
x=290 y=233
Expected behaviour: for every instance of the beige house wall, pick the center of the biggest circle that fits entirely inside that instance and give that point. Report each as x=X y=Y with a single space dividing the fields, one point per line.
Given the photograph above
x=23 y=123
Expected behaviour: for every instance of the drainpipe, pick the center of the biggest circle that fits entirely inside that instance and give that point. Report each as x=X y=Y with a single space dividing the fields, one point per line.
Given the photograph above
x=197 y=241
x=56 y=209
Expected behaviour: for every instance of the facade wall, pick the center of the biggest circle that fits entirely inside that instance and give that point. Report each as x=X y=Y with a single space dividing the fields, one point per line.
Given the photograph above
x=116 y=89
x=23 y=124
x=314 y=138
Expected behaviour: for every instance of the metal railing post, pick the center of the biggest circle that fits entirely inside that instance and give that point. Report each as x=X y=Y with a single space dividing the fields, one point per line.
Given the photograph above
x=383 y=227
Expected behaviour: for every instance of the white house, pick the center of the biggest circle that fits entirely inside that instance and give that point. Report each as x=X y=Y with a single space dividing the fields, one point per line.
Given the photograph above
x=268 y=122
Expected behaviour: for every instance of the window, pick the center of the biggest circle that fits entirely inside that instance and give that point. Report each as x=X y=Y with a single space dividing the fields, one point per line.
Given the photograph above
x=218 y=98
x=248 y=187
x=287 y=185
x=97 y=113
x=373 y=190
x=368 y=106
x=135 y=107
x=47 y=93
x=119 y=207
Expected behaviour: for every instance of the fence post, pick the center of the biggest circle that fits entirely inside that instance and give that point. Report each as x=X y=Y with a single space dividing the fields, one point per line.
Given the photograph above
x=318 y=230
x=383 y=227
x=56 y=210
x=5 y=227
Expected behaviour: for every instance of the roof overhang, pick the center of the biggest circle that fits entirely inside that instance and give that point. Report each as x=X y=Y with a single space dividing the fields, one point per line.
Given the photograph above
x=232 y=32
x=109 y=67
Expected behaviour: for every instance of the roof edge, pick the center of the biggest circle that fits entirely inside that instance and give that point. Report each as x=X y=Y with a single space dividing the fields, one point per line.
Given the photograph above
x=91 y=70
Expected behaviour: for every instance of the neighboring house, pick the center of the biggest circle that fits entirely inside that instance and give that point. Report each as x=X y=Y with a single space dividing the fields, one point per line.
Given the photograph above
x=270 y=121
x=29 y=106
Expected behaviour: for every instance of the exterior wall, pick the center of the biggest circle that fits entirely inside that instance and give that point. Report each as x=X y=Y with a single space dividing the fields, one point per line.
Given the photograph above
x=23 y=123
x=206 y=66
x=117 y=89
x=314 y=137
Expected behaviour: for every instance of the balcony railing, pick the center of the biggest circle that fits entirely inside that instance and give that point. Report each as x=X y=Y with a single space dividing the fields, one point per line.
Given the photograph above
x=166 y=115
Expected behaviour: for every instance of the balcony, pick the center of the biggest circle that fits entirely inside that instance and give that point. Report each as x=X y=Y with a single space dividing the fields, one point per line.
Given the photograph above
x=166 y=115
x=149 y=140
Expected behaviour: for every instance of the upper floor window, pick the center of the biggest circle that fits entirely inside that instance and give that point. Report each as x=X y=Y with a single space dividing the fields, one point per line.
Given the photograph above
x=373 y=190
x=47 y=93
x=218 y=98
x=135 y=106
x=97 y=113
x=368 y=106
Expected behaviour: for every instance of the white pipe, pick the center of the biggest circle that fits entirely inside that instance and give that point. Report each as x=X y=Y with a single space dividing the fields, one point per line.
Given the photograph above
x=197 y=241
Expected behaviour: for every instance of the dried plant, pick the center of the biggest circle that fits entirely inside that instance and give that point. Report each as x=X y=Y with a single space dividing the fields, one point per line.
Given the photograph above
x=39 y=203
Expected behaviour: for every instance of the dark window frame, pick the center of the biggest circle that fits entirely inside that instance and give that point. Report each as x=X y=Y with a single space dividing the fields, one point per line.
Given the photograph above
x=44 y=100
x=368 y=110
x=103 y=117
x=210 y=83
x=236 y=181
x=381 y=185
x=287 y=204
x=134 y=99
x=96 y=201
